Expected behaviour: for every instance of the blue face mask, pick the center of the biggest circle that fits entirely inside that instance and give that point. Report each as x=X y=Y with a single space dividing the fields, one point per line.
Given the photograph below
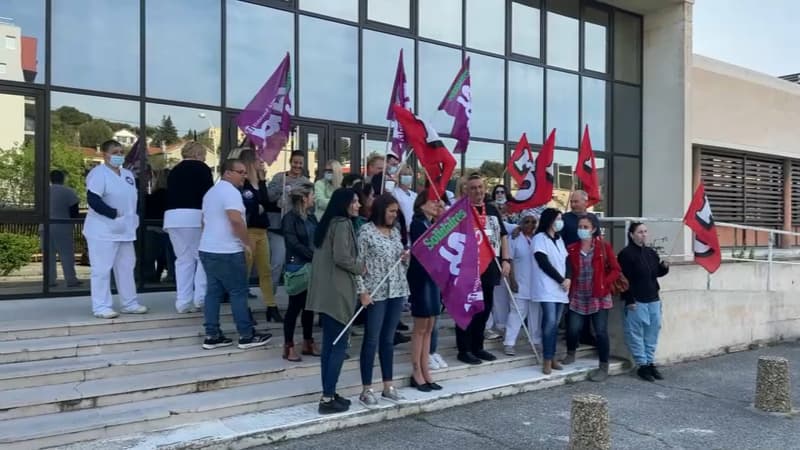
x=558 y=225
x=584 y=234
x=406 y=180
x=116 y=160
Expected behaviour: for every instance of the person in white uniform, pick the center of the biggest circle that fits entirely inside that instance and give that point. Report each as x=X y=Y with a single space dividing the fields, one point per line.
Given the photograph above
x=403 y=193
x=110 y=230
x=521 y=244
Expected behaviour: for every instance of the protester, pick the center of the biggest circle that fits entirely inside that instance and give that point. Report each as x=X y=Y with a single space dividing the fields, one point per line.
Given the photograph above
x=375 y=162
x=404 y=194
x=256 y=202
x=335 y=277
x=577 y=204
x=223 y=245
x=521 y=244
x=594 y=267
x=324 y=187
x=470 y=341
x=158 y=255
x=642 y=267
x=551 y=281
x=277 y=190
x=425 y=300
x=351 y=180
x=110 y=230
x=63 y=205
x=380 y=247
x=496 y=325
x=298 y=230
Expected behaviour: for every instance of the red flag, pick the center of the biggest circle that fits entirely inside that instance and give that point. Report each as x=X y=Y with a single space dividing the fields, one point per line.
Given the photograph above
x=537 y=187
x=435 y=158
x=521 y=161
x=706 y=242
x=485 y=250
x=586 y=170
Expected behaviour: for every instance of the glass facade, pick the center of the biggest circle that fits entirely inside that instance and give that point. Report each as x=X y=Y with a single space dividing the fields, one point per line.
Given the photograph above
x=170 y=71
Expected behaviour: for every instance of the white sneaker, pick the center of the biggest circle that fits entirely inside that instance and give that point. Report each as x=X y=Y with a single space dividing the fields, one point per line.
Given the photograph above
x=188 y=309
x=440 y=361
x=492 y=335
x=140 y=309
x=432 y=363
x=110 y=314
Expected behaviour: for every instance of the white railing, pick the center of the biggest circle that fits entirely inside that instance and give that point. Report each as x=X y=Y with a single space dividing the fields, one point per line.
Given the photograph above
x=770 y=259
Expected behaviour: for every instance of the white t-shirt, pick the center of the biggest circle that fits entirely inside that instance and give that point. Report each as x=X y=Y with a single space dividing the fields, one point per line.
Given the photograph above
x=218 y=234
x=118 y=192
x=406 y=201
x=544 y=288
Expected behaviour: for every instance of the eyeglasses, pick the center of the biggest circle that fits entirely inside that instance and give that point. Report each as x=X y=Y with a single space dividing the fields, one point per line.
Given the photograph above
x=240 y=172
x=500 y=193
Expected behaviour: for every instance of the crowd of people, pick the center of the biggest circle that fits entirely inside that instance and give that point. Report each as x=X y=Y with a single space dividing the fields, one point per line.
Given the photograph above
x=341 y=246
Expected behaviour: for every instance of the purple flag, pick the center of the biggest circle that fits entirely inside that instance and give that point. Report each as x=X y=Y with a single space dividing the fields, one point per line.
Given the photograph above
x=399 y=97
x=133 y=160
x=458 y=103
x=449 y=251
x=266 y=120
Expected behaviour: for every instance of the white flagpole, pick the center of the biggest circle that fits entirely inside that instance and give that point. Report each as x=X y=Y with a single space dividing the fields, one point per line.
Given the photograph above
x=516 y=306
x=386 y=154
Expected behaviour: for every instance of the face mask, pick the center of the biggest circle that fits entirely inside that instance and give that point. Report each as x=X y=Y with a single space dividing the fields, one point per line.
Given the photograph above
x=392 y=170
x=558 y=225
x=584 y=234
x=500 y=201
x=389 y=186
x=406 y=180
x=116 y=160
x=328 y=176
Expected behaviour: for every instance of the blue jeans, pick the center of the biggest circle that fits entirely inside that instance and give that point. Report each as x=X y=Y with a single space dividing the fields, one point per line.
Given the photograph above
x=332 y=356
x=434 y=335
x=551 y=315
x=599 y=320
x=382 y=319
x=226 y=272
x=641 y=331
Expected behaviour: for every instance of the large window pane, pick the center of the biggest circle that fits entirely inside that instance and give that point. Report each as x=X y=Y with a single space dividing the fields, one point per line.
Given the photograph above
x=82 y=58
x=22 y=56
x=562 y=41
x=431 y=24
x=488 y=159
x=595 y=29
x=27 y=276
x=525 y=101
x=17 y=153
x=627 y=47
x=562 y=107
x=486 y=25
x=525 y=34
x=627 y=119
x=249 y=63
x=328 y=70
x=488 y=96
x=593 y=111
x=184 y=50
x=627 y=187
x=438 y=66
x=343 y=9
x=393 y=12
x=565 y=181
x=380 y=63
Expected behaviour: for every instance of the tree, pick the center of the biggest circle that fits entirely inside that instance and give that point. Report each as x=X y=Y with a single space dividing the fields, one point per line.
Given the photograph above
x=166 y=133
x=70 y=161
x=72 y=116
x=94 y=133
x=492 y=169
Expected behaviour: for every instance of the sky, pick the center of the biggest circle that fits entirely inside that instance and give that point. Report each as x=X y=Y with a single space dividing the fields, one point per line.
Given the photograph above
x=762 y=35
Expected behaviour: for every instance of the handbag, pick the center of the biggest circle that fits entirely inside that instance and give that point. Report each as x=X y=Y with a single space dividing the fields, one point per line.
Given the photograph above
x=296 y=281
x=621 y=284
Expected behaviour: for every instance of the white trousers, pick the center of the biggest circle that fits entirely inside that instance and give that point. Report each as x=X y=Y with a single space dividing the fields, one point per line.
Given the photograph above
x=533 y=311
x=277 y=257
x=190 y=278
x=103 y=257
x=499 y=316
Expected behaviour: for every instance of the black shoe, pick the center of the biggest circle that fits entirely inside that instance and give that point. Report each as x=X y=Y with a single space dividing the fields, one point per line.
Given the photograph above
x=402 y=327
x=342 y=400
x=332 y=406
x=220 y=341
x=645 y=374
x=469 y=358
x=400 y=339
x=434 y=386
x=257 y=340
x=273 y=314
x=75 y=283
x=484 y=355
x=424 y=387
x=655 y=372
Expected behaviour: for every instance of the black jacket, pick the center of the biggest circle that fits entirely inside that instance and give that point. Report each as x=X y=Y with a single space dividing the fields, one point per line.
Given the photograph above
x=253 y=197
x=299 y=244
x=642 y=267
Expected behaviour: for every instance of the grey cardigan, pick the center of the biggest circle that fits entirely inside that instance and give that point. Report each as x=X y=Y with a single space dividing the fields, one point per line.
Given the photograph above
x=335 y=273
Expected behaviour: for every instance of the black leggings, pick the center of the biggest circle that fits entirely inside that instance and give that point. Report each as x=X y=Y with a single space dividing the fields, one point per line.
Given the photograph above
x=297 y=303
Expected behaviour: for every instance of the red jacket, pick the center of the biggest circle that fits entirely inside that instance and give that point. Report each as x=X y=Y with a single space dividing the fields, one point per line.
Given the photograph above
x=604 y=262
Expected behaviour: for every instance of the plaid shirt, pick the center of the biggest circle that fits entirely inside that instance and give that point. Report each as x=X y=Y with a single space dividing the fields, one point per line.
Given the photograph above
x=581 y=300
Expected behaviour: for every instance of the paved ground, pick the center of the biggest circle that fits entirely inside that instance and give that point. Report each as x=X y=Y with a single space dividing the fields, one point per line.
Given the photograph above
x=701 y=404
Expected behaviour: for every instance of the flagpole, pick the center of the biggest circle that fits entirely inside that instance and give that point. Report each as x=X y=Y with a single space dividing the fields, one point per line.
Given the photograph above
x=285 y=160
x=383 y=280
x=386 y=155
x=516 y=306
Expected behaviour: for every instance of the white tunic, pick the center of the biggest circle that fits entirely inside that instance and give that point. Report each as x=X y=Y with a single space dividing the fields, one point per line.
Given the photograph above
x=545 y=289
x=406 y=202
x=118 y=192
x=522 y=254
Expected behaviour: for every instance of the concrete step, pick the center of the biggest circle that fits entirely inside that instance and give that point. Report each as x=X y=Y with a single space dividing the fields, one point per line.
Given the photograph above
x=111 y=421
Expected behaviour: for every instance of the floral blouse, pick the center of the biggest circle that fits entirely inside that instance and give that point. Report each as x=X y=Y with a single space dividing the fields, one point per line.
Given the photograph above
x=379 y=253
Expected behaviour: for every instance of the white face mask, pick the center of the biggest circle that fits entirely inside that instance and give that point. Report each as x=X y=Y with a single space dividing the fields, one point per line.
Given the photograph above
x=558 y=225
x=389 y=186
x=500 y=201
x=328 y=176
x=584 y=234
x=406 y=180
x=392 y=170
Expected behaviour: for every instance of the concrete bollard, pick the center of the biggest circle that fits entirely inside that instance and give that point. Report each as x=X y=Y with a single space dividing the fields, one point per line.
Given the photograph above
x=773 y=385
x=589 y=423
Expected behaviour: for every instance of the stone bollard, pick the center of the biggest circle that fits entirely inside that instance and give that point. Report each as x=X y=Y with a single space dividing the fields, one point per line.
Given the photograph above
x=773 y=385
x=589 y=423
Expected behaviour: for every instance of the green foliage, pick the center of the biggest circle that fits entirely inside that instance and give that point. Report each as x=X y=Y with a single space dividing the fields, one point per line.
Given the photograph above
x=492 y=169
x=16 y=176
x=94 y=133
x=166 y=132
x=70 y=161
x=16 y=250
